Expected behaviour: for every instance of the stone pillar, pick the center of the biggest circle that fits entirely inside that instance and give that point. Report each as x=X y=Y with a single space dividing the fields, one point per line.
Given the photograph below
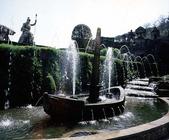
x=95 y=78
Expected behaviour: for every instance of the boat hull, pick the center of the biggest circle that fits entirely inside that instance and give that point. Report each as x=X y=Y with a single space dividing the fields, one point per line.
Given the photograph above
x=68 y=109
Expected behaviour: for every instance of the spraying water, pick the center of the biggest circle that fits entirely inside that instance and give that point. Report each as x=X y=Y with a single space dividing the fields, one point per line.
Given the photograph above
x=73 y=60
x=152 y=60
x=108 y=67
x=7 y=103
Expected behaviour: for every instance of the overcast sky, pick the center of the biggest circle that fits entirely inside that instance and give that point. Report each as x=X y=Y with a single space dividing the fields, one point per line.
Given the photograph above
x=57 y=18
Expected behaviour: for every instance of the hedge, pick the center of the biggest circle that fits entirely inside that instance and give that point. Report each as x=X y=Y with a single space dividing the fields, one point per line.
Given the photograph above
x=4 y=65
x=27 y=72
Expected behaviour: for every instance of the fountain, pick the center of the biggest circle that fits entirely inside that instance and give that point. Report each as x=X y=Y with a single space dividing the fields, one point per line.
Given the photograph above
x=88 y=45
x=73 y=59
x=70 y=70
x=127 y=65
x=147 y=66
x=95 y=105
x=124 y=49
x=152 y=60
x=7 y=92
x=140 y=67
x=107 y=69
x=99 y=107
x=136 y=67
x=128 y=60
x=33 y=123
x=141 y=87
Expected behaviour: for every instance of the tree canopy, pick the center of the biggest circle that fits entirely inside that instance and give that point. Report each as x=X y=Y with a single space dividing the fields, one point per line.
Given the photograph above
x=81 y=31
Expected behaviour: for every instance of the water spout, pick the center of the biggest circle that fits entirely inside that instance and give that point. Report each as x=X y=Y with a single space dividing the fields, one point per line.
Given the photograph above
x=92 y=114
x=113 y=111
x=152 y=60
x=148 y=66
x=88 y=45
x=107 y=69
x=7 y=102
x=92 y=120
x=124 y=49
x=70 y=68
x=105 y=118
x=119 y=110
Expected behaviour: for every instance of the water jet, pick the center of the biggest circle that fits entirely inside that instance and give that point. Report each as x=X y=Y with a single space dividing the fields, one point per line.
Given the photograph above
x=92 y=106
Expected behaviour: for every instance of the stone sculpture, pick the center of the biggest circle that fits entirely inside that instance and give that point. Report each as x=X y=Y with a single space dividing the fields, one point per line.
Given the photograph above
x=155 y=33
x=5 y=32
x=26 y=36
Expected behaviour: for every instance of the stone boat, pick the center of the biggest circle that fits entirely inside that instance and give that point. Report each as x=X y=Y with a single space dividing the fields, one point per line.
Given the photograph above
x=77 y=108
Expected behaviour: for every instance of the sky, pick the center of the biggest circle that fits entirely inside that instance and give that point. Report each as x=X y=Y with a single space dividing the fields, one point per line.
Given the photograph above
x=57 y=18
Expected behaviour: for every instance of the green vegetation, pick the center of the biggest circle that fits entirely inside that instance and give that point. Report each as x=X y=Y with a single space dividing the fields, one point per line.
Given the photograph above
x=49 y=84
x=26 y=69
x=103 y=52
x=31 y=71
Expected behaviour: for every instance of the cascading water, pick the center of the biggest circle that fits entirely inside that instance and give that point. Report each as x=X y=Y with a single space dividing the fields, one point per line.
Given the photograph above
x=147 y=65
x=131 y=58
x=126 y=57
x=140 y=67
x=6 y=105
x=108 y=69
x=152 y=60
x=124 y=49
x=129 y=65
x=88 y=44
x=72 y=61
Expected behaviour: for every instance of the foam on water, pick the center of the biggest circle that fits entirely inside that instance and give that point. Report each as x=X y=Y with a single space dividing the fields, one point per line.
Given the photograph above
x=29 y=106
x=6 y=123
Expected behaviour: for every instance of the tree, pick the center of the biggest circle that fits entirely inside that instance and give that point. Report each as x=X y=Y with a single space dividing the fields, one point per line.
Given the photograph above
x=82 y=34
x=140 y=32
x=163 y=25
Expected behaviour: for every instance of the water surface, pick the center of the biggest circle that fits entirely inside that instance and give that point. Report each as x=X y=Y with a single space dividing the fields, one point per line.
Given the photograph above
x=32 y=122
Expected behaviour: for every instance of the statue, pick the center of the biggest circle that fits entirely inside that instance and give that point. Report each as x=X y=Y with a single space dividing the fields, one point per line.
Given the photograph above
x=140 y=32
x=5 y=32
x=155 y=33
x=26 y=36
x=131 y=36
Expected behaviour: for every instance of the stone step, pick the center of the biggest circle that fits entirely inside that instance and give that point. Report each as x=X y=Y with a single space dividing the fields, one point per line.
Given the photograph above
x=139 y=93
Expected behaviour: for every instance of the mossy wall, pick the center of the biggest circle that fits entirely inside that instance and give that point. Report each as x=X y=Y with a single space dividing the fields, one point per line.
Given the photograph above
x=26 y=71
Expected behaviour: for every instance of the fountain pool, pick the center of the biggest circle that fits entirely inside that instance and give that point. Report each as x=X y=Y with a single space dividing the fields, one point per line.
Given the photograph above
x=31 y=122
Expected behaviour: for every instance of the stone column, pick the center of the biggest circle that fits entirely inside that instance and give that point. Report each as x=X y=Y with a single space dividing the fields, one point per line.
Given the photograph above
x=95 y=78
